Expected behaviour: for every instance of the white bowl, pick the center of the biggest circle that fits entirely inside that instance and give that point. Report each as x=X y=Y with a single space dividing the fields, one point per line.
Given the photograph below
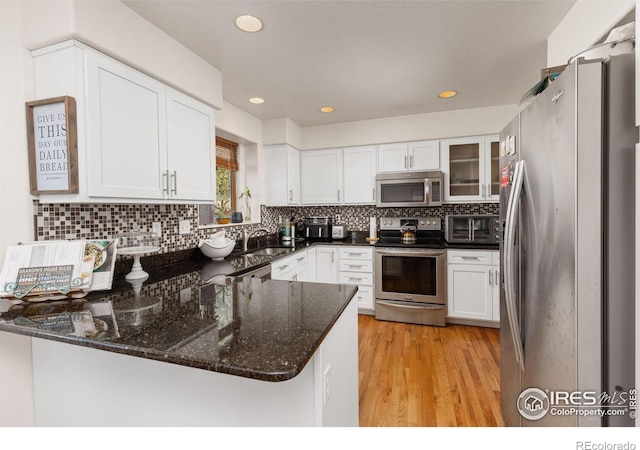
x=218 y=242
x=214 y=252
x=219 y=234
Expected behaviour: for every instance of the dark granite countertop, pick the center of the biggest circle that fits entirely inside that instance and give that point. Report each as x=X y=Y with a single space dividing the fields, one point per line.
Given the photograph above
x=450 y=246
x=190 y=313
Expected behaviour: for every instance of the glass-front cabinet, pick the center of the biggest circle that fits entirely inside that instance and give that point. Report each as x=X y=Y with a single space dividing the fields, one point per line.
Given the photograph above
x=470 y=167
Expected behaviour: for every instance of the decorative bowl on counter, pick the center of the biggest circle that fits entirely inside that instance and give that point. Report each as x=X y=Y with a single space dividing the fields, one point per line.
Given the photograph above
x=216 y=251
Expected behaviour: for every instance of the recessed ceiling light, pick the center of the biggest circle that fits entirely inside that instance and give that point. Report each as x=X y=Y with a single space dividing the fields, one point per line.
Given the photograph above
x=327 y=109
x=447 y=94
x=256 y=100
x=249 y=24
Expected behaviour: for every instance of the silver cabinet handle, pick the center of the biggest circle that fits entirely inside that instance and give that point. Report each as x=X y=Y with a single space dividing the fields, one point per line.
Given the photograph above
x=490 y=282
x=354 y=254
x=374 y=194
x=470 y=226
x=353 y=266
x=300 y=259
x=165 y=182
x=290 y=195
x=355 y=278
x=497 y=278
x=332 y=256
x=175 y=183
x=283 y=267
x=338 y=194
x=411 y=161
x=471 y=258
x=405 y=162
x=484 y=187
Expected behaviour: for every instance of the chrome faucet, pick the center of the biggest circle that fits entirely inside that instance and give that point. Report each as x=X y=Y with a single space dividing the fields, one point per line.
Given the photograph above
x=246 y=236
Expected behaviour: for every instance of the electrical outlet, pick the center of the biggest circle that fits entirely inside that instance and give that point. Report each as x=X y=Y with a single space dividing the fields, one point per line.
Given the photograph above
x=338 y=218
x=184 y=227
x=156 y=227
x=185 y=295
x=327 y=385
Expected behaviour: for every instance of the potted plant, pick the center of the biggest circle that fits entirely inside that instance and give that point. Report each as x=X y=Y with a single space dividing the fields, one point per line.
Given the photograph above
x=246 y=194
x=223 y=212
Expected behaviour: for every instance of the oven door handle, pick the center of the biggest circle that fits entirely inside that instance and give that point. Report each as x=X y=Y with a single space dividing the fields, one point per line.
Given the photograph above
x=402 y=305
x=410 y=252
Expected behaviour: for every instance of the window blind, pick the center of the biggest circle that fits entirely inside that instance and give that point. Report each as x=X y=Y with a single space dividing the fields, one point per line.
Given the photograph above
x=226 y=154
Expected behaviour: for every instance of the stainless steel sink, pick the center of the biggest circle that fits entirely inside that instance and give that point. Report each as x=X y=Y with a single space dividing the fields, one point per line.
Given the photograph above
x=270 y=251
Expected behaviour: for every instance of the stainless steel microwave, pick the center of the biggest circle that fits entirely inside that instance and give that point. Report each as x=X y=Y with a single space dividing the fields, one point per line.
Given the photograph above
x=406 y=189
x=472 y=229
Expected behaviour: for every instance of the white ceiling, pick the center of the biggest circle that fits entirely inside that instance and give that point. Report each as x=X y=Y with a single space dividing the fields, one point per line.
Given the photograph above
x=368 y=59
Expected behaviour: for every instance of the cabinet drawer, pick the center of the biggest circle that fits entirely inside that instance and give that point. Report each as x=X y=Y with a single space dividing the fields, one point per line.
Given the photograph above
x=350 y=265
x=293 y=262
x=356 y=278
x=362 y=253
x=469 y=257
x=364 y=297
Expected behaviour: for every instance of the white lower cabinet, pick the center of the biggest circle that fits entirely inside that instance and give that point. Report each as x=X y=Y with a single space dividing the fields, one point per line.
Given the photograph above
x=356 y=267
x=326 y=264
x=291 y=268
x=473 y=290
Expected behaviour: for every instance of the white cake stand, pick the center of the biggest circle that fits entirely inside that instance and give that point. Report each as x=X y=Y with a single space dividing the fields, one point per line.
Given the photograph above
x=136 y=271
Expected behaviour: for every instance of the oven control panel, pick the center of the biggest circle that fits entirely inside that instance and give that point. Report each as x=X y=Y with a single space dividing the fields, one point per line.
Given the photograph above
x=420 y=223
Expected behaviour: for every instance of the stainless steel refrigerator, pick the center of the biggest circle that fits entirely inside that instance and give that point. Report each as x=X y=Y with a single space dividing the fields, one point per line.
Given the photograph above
x=567 y=315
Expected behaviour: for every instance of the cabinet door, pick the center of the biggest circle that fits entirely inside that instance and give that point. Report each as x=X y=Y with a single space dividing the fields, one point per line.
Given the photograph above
x=492 y=167
x=326 y=264
x=321 y=176
x=470 y=291
x=495 y=262
x=311 y=265
x=393 y=157
x=126 y=131
x=360 y=175
x=282 y=172
x=463 y=172
x=191 y=148
x=424 y=155
x=293 y=176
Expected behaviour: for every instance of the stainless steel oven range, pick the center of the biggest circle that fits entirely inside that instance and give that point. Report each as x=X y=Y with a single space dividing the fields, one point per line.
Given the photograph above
x=410 y=271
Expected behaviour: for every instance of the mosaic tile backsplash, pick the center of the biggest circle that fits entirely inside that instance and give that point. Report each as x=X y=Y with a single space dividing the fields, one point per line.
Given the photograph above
x=101 y=221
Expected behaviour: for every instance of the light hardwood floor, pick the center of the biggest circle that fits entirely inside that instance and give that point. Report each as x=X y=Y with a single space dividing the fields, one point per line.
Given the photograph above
x=415 y=375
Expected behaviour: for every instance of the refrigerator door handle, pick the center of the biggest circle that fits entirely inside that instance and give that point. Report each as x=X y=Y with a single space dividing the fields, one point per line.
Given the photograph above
x=510 y=294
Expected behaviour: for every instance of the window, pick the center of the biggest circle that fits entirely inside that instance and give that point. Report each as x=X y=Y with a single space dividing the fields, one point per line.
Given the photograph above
x=226 y=168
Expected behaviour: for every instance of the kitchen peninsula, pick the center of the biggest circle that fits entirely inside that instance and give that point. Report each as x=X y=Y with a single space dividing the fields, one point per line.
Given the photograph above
x=190 y=349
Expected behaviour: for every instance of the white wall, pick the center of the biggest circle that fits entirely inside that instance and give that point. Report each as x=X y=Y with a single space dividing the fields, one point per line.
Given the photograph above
x=468 y=122
x=282 y=131
x=584 y=25
x=112 y=28
x=16 y=220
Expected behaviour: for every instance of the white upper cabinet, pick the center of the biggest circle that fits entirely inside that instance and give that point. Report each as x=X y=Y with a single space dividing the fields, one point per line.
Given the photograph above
x=139 y=140
x=125 y=137
x=321 y=177
x=470 y=167
x=282 y=175
x=360 y=175
x=409 y=156
x=191 y=137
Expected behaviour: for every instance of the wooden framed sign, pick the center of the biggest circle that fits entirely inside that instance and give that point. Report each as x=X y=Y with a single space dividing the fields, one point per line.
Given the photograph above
x=53 y=146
